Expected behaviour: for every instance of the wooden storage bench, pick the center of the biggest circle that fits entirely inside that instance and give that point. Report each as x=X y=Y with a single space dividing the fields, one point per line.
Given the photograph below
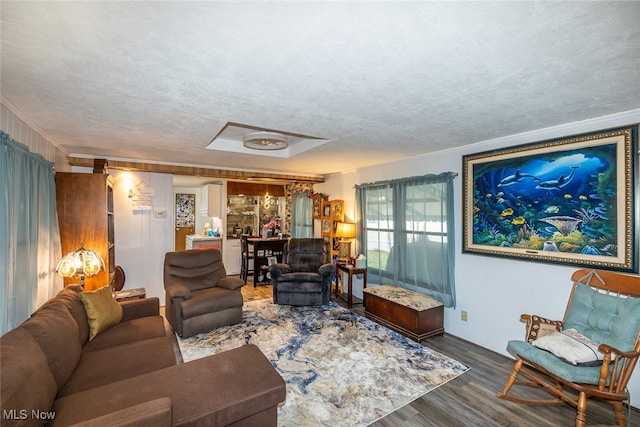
x=413 y=314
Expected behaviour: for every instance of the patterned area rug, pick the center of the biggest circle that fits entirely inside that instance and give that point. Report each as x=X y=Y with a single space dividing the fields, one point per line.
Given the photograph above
x=341 y=369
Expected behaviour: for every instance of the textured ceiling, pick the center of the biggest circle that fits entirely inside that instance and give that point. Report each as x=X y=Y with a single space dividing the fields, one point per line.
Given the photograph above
x=156 y=81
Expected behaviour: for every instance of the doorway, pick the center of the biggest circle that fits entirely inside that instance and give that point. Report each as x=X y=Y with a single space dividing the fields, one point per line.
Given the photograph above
x=185 y=219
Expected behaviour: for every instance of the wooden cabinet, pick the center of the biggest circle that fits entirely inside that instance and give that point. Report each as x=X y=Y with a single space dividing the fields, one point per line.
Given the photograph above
x=211 y=196
x=233 y=256
x=85 y=214
x=332 y=214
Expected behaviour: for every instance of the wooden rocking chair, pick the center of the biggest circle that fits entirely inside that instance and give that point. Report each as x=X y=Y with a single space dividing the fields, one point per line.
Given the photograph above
x=605 y=307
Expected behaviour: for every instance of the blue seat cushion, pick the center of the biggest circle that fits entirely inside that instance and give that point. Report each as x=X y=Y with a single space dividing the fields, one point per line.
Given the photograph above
x=555 y=365
x=605 y=319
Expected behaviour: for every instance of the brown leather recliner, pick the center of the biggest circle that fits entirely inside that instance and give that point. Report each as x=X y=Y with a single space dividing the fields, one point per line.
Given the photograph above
x=200 y=296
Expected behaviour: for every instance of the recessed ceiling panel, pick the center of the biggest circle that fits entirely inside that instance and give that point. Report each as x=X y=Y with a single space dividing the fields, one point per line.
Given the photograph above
x=230 y=139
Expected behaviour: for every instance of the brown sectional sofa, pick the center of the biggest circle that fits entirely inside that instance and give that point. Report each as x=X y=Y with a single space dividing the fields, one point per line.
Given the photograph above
x=127 y=375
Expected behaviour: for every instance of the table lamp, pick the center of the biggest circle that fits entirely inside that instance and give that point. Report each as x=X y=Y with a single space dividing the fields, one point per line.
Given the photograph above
x=344 y=232
x=82 y=262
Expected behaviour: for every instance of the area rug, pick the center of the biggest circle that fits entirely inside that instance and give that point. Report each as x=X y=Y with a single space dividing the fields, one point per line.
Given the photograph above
x=340 y=368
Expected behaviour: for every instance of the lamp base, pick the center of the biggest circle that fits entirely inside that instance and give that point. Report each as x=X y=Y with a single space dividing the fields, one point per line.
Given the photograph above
x=345 y=250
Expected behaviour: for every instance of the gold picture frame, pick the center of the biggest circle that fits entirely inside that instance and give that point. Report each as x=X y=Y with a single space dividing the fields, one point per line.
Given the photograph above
x=571 y=201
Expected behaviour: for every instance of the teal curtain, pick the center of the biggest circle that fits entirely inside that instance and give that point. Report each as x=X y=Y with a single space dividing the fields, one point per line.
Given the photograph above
x=407 y=233
x=29 y=234
x=302 y=215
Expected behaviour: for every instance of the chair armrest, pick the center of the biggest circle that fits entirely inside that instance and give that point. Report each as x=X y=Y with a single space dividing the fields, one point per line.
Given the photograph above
x=157 y=412
x=230 y=282
x=327 y=269
x=620 y=369
x=137 y=308
x=524 y=318
x=278 y=270
x=178 y=292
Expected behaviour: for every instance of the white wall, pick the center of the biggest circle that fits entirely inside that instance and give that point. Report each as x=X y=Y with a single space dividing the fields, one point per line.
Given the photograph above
x=494 y=291
x=141 y=237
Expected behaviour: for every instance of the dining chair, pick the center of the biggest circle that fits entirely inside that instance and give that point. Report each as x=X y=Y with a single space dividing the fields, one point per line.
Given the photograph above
x=247 y=255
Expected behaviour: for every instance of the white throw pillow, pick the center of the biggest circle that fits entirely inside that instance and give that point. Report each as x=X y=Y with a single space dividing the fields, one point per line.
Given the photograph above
x=571 y=346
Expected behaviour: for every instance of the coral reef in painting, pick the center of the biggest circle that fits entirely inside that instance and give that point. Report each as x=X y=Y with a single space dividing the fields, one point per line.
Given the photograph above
x=556 y=202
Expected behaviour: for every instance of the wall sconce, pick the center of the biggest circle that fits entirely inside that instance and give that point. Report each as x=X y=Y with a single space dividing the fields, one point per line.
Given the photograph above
x=82 y=262
x=345 y=231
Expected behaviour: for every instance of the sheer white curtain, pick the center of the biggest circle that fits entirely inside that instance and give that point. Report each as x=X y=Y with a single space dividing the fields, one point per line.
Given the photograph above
x=29 y=234
x=301 y=215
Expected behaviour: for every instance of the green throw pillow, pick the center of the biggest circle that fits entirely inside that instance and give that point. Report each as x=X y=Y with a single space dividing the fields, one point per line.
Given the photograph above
x=102 y=310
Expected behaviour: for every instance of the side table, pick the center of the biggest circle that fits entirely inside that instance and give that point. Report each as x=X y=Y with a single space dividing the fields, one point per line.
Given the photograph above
x=128 y=294
x=350 y=270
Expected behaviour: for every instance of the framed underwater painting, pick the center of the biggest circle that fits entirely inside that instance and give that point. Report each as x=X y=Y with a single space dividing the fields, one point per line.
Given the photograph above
x=570 y=201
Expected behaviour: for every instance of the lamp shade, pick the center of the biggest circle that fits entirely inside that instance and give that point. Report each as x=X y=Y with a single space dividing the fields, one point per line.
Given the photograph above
x=82 y=262
x=346 y=230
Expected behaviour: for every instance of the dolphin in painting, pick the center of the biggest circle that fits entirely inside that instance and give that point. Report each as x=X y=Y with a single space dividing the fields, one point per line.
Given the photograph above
x=516 y=177
x=556 y=184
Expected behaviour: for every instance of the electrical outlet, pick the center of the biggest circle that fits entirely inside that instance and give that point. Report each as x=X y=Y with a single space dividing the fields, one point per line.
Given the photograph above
x=464 y=316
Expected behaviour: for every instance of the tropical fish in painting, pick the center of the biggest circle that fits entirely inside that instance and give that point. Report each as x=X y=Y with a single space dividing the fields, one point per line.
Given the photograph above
x=582 y=197
x=552 y=210
x=516 y=177
x=518 y=221
x=556 y=184
x=568 y=196
x=507 y=212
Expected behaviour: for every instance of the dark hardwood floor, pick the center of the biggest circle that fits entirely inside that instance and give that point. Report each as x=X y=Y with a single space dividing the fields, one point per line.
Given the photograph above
x=470 y=399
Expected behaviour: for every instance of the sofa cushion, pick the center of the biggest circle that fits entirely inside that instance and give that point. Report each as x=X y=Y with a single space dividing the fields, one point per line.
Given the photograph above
x=103 y=311
x=100 y=367
x=70 y=297
x=128 y=331
x=300 y=278
x=55 y=331
x=239 y=383
x=210 y=300
x=26 y=382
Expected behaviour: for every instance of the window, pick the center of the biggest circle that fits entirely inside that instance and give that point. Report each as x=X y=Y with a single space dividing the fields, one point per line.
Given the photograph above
x=407 y=233
x=301 y=215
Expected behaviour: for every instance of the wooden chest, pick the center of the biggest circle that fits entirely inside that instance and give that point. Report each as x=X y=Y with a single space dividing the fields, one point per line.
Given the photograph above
x=413 y=314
